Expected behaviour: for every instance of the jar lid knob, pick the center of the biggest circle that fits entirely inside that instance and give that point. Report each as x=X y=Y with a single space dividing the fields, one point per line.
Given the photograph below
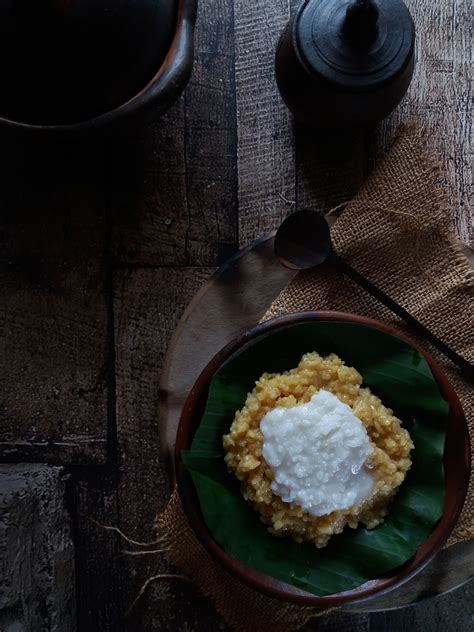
x=360 y=24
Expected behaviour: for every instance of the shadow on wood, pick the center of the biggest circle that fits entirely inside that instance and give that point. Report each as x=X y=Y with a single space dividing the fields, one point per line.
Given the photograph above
x=53 y=328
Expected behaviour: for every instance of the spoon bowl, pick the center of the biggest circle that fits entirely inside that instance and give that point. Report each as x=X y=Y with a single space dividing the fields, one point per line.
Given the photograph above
x=303 y=241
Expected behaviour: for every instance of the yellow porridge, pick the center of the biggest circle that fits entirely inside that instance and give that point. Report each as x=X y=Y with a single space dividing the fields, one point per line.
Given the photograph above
x=314 y=451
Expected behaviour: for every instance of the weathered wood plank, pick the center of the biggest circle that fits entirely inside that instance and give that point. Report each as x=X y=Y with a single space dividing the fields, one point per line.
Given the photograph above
x=339 y=622
x=211 y=168
x=146 y=187
x=453 y=612
x=53 y=321
x=148 y=305
x=265 y=146
x=37 y=589
x=329 y=170
x=93 y=502
x=173 y=189
x=439 y=97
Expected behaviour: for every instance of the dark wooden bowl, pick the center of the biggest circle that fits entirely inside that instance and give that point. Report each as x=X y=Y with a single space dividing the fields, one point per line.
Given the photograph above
x=457 y=459
x=89 y=65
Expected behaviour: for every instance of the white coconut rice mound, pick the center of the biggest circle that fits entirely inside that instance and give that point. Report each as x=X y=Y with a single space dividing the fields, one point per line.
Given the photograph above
x=317 y=453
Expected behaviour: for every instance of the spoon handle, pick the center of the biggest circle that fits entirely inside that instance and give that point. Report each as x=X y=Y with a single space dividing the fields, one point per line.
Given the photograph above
x=397 y=309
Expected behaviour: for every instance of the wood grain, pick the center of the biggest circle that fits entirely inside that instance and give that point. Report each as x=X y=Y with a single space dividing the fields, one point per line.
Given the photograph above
x=53 y=321
x=329 y=171
x=453 y=612
x=99 y=583
x=148 y=306
x=36 y=550
x=211 y=169
x=440 y=98
x=146 y=191
x=265 y=144
x=339 y=623
x=173 y=189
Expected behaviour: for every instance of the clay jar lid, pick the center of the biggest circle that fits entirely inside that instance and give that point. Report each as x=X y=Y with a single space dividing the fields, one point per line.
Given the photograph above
x=355 y=45
x=65 y=61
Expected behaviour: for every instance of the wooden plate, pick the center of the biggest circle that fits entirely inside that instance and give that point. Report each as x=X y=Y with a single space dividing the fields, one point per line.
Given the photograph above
x=227 y=305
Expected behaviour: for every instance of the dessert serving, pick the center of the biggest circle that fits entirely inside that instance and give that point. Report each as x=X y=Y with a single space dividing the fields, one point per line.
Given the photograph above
x=315 y=452
x=318 y=458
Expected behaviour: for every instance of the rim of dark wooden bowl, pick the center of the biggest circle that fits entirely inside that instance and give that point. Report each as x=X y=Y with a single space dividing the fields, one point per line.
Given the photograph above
x=457 y=459
x=158 y=95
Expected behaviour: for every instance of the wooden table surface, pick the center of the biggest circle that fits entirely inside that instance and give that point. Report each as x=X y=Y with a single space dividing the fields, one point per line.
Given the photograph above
x=104 y=243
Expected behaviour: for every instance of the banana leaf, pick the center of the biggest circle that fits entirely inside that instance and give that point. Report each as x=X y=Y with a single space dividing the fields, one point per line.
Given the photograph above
x=395 y=372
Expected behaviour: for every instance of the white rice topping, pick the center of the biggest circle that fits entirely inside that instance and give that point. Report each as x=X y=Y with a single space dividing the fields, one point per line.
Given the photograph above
x=317 y=453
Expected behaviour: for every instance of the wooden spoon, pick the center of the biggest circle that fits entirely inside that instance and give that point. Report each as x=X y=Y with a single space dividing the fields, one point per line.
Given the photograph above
x=303 y=241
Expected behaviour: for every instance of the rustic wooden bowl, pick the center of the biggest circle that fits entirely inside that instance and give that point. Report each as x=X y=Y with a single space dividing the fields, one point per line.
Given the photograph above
x=90 y=65
x=457 y=459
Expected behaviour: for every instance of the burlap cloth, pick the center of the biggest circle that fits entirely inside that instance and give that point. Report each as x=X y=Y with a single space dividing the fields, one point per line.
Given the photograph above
x=397 y=232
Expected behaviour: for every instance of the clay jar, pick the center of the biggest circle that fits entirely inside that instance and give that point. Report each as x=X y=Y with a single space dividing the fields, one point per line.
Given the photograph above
x=345 y=64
